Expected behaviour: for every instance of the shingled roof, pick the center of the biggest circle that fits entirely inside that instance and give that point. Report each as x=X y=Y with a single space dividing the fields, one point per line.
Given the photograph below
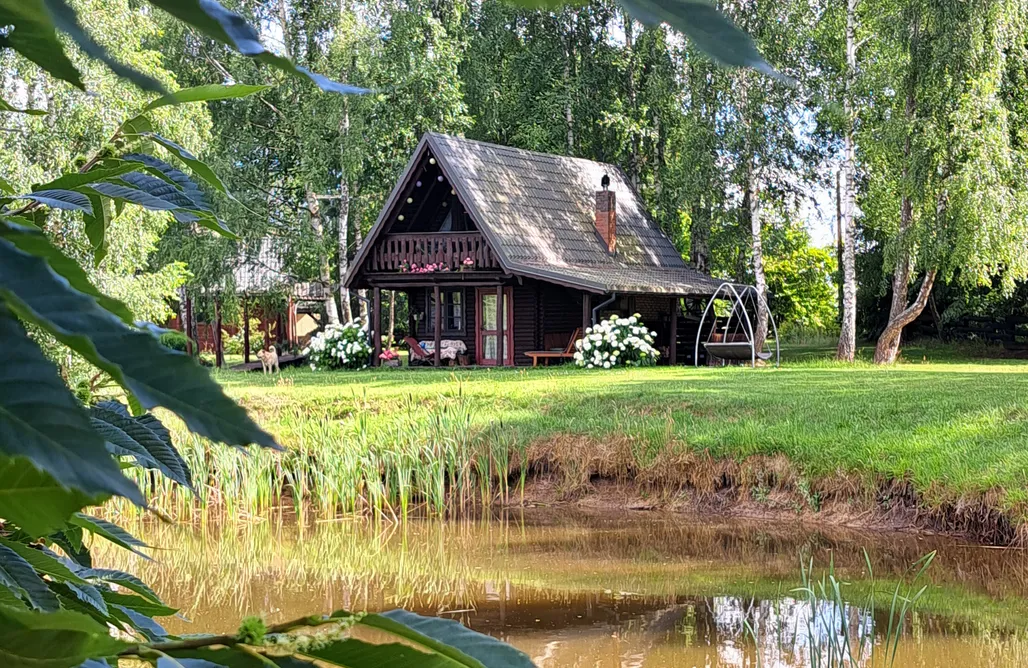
x=537 y=211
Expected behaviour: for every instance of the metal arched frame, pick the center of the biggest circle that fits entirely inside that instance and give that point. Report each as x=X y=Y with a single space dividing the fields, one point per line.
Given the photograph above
x=732 y=292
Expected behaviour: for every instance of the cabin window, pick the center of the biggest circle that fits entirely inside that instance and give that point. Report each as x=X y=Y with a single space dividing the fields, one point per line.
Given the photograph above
x=452 y=313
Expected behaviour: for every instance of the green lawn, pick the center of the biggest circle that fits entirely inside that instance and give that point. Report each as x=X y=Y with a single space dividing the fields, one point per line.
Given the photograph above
x=952 y=424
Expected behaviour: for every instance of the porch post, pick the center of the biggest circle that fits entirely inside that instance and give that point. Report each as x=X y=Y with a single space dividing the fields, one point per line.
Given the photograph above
x=501 y=356
x=438 y=323
x=376 y=327
x=673 y=350
x=587 y=312
x=246 y=330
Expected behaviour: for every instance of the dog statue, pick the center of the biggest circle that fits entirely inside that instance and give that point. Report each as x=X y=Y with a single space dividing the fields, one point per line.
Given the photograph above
x=269 y=360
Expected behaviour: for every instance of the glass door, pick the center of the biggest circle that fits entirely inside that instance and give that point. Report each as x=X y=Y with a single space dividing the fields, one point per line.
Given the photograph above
x=489 y=333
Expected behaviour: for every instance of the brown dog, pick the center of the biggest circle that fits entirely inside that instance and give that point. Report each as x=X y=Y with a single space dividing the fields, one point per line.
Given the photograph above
x=269 y=360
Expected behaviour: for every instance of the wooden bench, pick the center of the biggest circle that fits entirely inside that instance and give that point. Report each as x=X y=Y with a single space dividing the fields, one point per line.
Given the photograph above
x=547 y=355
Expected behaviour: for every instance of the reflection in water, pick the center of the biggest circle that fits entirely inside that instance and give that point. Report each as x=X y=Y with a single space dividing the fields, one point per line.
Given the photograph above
x=599 y=591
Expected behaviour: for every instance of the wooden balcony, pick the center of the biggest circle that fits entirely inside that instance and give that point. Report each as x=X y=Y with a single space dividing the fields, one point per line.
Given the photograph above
x=447 y=251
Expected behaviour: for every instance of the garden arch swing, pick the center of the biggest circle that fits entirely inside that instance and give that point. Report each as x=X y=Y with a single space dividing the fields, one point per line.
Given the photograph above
x=735 y=340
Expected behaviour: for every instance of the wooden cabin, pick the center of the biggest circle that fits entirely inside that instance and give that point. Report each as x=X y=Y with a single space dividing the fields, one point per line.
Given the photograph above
x=512 y=251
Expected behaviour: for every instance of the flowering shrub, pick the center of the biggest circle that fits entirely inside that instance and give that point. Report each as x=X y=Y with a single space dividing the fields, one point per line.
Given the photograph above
x=340 y=347
x=467 y=263
x=616 y=342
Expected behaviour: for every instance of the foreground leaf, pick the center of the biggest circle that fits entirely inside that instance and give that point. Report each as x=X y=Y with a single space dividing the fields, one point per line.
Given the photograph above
x=43 y=563
x=44 y=423
x=447 y=638
x=109 y=169
x=199 y=167
x=710 y=30
x=353 y=653
x=35 y=242
x=230 y=28
x=150 y=629
x=33 y=500
x=65 y=19
x=154 y=374
x=138 y=603
x=111 y=532
x=122 y=579
x=172 y=175
x=207 y=93
x=61 y=639
x=34 y=36
x=134 y=436
x=60 y=199
x=18 y=576
x=10 y=108
x=84 y=598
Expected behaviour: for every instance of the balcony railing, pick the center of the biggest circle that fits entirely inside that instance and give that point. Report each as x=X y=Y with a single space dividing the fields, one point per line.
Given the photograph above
x=443 y=251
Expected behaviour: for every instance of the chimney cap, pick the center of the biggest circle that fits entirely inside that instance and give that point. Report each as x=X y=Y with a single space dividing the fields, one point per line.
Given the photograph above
x=605 y=182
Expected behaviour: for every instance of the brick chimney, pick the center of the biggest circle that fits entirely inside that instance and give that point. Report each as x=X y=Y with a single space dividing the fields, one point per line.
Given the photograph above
x=606 y=215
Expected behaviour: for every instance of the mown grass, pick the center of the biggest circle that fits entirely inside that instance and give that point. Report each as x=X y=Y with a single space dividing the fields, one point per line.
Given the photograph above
x=954 y=425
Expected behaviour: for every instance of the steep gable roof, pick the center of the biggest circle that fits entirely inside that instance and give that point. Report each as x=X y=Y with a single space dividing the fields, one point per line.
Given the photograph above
x=537 y=210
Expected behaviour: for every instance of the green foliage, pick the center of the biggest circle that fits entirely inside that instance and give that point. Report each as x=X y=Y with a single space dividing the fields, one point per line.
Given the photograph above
x=174 y=340
x=801 y=283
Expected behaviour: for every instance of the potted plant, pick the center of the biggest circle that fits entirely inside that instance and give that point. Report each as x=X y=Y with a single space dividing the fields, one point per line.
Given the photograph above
x=389 y=357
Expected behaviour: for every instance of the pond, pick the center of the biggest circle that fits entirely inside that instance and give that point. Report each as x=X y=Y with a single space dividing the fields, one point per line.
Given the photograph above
x=574 y=589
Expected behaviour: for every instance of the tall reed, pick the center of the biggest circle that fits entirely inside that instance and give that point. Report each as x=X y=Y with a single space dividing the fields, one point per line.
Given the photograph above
x=429 y=459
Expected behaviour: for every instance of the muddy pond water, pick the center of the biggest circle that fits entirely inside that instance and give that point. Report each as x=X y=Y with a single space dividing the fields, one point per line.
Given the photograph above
x=575 y=589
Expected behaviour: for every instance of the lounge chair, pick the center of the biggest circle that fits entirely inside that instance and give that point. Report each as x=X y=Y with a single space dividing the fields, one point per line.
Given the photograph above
x=567 y=353
x=418 y=356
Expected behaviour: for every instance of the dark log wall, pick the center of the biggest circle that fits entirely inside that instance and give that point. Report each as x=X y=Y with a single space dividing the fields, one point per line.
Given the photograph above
x=527 y=334
x=559 y=314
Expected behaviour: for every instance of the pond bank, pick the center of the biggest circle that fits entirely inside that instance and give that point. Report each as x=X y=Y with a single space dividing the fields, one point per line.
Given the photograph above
x=583 y=472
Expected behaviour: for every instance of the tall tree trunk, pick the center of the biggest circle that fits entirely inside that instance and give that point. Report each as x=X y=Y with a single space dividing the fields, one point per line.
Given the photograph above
x=847 y=199
x=324 y=270
x=699 y=237
x=701 y=91
x=343 y=217
x=392 y=318
x=569 y=54
x=362 y=302
x=759 y=280
x=889 y=342
x=283 y=17
x=900 y=315
x=633 y=167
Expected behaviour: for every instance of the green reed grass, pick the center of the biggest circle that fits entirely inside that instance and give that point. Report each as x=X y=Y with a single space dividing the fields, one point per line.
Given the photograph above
x=432 y=461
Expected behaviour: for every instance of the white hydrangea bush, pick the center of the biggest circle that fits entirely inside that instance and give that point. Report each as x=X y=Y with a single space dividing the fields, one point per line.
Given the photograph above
x=340 y=347
x=616 y=342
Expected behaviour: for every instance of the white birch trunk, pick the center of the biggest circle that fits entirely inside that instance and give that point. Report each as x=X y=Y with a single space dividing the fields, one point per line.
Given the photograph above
x=324 y=271
x=847 y=199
